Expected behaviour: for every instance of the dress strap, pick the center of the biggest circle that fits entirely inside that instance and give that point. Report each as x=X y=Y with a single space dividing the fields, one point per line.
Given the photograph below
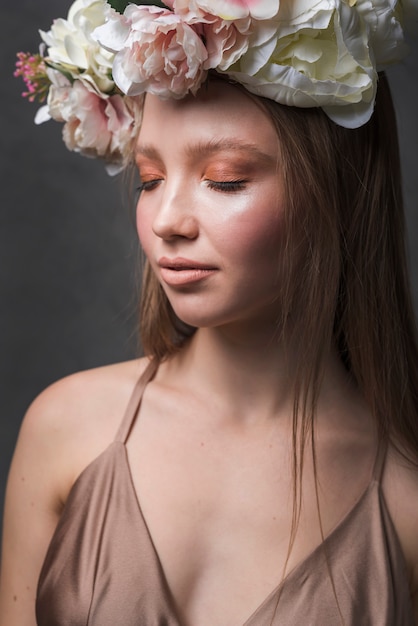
x=135 y=401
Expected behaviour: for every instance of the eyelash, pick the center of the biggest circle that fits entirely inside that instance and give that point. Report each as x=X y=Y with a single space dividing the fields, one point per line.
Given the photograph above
x=226 y=186
x=147 y=185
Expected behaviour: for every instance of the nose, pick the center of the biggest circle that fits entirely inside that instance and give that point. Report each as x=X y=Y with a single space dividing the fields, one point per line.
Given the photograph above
x=175 y=216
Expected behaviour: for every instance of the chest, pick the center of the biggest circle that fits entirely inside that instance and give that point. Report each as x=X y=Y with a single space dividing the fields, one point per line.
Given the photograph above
x=102 y=568
x=219 y=508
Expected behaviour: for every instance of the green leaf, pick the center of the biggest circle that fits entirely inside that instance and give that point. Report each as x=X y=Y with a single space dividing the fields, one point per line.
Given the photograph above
x=61 y=70
x=120 y=5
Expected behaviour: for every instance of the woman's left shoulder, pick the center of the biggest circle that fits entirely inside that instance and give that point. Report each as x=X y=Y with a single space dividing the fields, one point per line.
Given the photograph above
x=400 y=489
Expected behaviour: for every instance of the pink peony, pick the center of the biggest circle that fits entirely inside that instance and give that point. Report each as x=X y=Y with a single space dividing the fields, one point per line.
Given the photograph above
x=229 y=27
x=95 y=125
x=156 y=51
x=225 y=41
x=99 y=126
x=230 y=9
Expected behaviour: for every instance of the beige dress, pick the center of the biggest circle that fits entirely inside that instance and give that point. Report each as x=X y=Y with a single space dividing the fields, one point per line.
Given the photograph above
x=102 y=569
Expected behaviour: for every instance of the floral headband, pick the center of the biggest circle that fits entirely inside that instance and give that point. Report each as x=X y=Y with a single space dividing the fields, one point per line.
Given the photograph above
x=94 y=66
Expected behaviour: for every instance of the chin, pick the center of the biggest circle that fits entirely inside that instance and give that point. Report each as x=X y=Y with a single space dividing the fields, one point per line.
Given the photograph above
x=202 y=317
x=198 y=319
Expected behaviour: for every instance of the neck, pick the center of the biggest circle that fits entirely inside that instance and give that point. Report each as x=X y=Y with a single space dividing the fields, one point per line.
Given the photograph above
x=247 y=375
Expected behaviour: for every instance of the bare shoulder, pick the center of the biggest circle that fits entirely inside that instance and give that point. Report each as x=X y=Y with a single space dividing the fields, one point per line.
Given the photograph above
x=400 y=487
x=92 y=391
x=78 y=416
x=71 y=422
x=65 y=428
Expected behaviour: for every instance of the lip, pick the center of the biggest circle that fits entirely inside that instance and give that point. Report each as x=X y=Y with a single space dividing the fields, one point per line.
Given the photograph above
x=180 y=271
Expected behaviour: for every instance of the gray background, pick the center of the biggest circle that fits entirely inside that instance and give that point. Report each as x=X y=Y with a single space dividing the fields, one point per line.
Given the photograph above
x=68 y=252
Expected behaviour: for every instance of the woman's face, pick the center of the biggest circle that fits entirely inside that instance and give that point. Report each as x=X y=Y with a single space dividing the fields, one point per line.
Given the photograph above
x=210 y=213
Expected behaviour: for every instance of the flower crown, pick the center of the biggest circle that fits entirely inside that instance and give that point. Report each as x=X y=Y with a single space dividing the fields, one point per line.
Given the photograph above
x=94 y=66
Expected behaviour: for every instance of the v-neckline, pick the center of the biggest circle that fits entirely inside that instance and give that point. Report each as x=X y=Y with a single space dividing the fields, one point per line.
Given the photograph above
x=170 y=600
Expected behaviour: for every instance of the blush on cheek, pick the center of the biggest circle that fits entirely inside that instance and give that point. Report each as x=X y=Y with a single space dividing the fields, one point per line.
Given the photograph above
x=250 y=231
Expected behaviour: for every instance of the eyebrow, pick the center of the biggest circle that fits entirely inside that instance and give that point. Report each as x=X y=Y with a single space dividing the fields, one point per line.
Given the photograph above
x=204 y=148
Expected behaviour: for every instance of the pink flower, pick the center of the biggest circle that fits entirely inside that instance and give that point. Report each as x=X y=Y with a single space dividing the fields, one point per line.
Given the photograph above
x=230 y=9
x=225 y=41
x=99 y=126
x=32 y=68
x=156 y=51
x=229 y=26
x=96 y=125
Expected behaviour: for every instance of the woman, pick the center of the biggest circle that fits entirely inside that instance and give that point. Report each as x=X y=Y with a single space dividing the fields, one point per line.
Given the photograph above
x=265 y=469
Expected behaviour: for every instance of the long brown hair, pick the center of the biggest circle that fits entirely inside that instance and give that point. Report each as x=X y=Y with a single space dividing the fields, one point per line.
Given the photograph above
x=349 y=285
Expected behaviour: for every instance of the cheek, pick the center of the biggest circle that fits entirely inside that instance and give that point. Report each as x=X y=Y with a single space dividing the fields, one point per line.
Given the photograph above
x=254 y=232
x=144 y=229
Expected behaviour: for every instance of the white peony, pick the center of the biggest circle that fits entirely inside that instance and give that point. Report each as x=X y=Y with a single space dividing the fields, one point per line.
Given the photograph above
x=304 y=53
x=383 y=18
x=58 y=95
x=319 y=56
x=72 y=47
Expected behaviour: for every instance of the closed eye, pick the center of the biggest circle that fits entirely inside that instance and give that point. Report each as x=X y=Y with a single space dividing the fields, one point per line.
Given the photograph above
x=226 y=185
x=148 y=185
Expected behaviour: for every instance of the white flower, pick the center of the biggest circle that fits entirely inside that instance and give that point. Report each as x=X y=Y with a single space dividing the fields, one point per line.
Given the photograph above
x=156 y=51
x=304 y=53
x=319 y=56
x=58 y=96
x=383 y=18
x=72 y=47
